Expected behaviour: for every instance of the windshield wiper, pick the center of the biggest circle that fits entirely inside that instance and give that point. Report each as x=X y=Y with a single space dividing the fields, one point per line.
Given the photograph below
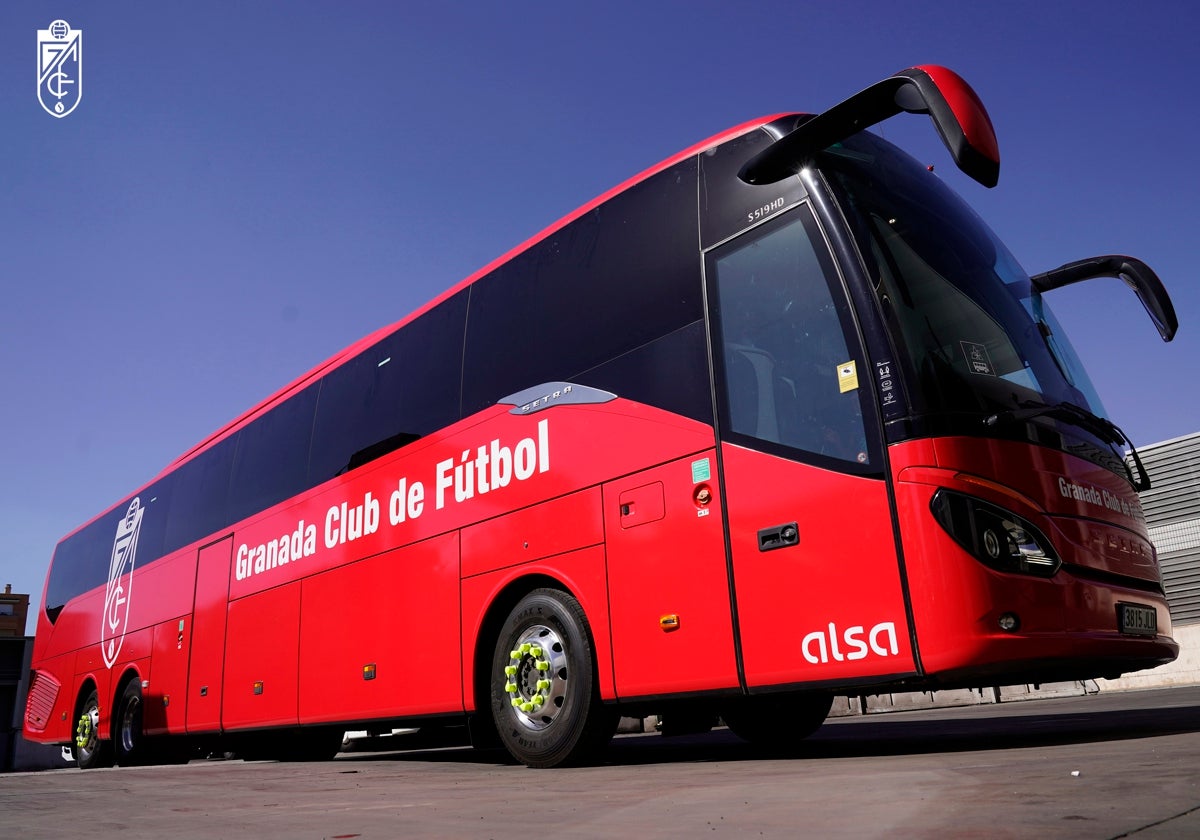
x=1102 y=428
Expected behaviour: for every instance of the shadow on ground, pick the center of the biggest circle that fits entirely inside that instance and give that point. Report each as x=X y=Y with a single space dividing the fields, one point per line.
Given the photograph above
x=1002 y=727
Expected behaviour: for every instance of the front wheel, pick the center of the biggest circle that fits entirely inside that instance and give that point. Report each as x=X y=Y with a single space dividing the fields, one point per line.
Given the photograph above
x=90 y=751
x=545 y=701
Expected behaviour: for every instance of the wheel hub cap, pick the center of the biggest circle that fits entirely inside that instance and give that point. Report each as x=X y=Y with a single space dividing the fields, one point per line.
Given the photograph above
x=536 y=677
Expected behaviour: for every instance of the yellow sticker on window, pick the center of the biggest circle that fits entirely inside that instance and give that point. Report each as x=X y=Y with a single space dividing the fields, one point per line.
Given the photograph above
x=847 y=376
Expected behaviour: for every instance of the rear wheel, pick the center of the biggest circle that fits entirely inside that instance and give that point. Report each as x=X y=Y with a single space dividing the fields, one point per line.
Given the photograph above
x=777 y=720
x=129 y=743
x=90 y=751
x=545 y=701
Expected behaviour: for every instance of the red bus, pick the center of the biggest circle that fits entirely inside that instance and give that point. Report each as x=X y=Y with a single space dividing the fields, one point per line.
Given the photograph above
x=777 y=419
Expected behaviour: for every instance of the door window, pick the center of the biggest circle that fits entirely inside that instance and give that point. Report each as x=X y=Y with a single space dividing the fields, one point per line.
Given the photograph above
x=788 y=378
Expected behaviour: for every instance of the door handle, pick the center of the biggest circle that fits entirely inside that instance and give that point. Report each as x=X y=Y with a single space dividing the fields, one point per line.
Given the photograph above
x=781 y=536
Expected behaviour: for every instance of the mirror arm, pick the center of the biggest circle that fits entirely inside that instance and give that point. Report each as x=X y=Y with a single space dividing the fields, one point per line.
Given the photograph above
x=1133 y=272
x=955 y=109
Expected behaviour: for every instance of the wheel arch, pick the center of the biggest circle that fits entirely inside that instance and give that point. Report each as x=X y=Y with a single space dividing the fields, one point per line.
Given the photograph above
x=541 y=682
x=130 y=674
x=100 y=748
x=489 y=626
x=86 y=687
x=486 y=600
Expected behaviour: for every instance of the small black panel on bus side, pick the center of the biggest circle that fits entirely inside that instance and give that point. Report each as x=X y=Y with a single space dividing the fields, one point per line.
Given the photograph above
x=729 y=205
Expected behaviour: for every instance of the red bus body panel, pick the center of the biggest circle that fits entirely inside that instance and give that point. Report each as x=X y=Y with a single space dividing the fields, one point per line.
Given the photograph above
x=243 y=633
x=831 y=607
x=373 y=570
x=206 y=670
x=957 y=602
x=672 y=627
x=260 y=685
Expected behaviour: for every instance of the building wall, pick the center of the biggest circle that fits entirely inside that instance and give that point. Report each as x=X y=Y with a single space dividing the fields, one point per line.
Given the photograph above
x=13 y=611
x=1172 y=508
x=1183 y=671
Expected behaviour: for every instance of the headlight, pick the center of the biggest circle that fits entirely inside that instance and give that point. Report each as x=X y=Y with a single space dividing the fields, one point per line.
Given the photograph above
x=996 y=537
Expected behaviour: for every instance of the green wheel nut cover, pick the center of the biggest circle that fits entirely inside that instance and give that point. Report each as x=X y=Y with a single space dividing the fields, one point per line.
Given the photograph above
x=536 y=676
x=83 y=731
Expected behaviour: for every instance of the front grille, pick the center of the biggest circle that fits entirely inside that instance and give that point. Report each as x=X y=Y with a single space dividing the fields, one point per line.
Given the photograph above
x=1114 y=579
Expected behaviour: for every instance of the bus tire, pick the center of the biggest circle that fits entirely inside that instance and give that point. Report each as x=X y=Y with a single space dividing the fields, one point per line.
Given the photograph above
x=90 y=751
x=544 y=693
x=129 y=739
x=777 y=720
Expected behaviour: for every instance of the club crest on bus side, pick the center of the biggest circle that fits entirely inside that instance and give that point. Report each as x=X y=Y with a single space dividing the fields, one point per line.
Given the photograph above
x=120 y=583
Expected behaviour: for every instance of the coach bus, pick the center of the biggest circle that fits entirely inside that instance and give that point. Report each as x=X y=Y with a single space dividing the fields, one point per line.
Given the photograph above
x=777 y=419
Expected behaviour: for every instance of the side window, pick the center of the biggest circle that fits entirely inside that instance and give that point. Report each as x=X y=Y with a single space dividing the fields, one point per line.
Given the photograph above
x=200 y=504
x=271 y=462
x=621 y=276
x=394 y=392
x=81 y=561
x=790 y=378
x=670 y=373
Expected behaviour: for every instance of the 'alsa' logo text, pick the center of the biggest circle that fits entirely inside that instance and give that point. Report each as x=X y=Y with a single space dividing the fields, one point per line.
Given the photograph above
x=855 y=642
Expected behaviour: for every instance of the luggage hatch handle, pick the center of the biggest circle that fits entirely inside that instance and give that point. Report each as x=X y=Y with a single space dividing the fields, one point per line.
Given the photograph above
x=780 y=536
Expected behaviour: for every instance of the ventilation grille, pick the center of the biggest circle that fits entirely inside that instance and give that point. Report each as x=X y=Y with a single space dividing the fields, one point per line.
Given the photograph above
x=40 y=704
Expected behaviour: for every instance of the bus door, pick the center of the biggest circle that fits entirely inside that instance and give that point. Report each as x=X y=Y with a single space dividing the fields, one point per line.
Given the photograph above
x=816 y=579
x=207 y=662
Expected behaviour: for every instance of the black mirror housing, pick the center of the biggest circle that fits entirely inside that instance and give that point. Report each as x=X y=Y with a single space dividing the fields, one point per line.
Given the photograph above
x=1133 y=272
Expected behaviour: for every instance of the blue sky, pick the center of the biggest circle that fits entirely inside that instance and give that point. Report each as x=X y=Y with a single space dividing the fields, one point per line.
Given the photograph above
x=246 y=188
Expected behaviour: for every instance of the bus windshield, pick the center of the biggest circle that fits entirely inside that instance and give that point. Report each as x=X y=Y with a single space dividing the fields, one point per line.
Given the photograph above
x=974 y=335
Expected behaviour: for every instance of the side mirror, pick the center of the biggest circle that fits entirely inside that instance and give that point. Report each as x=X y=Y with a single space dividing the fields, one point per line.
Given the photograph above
x=1133 y=272
x=955 y=109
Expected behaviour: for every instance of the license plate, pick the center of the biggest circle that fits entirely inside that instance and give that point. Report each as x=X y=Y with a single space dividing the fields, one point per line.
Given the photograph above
x=1137 y=620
